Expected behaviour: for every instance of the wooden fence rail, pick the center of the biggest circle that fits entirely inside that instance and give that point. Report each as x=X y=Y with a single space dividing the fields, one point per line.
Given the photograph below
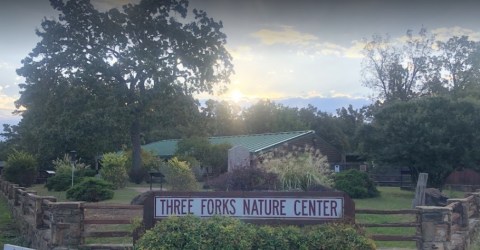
x=383 y=237
x=97 y=219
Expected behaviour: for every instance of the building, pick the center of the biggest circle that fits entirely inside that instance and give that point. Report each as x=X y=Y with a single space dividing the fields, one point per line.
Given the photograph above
x=246 y=148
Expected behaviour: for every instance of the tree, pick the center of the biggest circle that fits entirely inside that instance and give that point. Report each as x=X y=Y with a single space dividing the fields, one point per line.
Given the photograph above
x=350 y=120
x=397 y=73
x=456 y=65
x=211 y=156
x=223 y=118
x=433 y=135
x=134 y=55
x=268 y=117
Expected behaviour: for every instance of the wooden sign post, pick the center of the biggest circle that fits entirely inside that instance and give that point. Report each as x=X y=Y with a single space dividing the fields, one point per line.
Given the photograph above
x=419 y=199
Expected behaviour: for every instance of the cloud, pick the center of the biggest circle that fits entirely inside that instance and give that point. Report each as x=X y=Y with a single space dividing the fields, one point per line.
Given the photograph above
x=355 y=51
x=5 y=65
x=443 y=34
x=308 y=44
x=7 y=102
x=108 y=4
x=285 y=36
x=242 y=53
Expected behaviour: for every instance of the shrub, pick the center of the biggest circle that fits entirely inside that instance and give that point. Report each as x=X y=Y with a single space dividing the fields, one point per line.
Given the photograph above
x=282 y=237
x=356 y=184
x=191 y=232
x=336 y=236
x=21 y=168
x=245 y=179
x=299 y=170
x=64 y=165
x=63 y=181
x=179 y=176
x=114 y=169
x=91 y=189
x=228 y=233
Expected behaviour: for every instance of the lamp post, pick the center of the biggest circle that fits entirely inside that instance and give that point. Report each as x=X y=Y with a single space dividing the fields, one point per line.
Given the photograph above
x=73 y=158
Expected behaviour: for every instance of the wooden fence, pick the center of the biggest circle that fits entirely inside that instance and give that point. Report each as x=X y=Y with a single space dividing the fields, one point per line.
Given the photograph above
x=415 y=223
x=49 y=224
x=106 y=220
x=449 y=227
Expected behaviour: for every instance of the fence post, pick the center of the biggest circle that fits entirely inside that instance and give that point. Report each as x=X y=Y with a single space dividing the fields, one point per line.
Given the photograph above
x=462 y=210
x=435 y=223
x=476 y=197
x=39 y=210
x=419 y=199
x=66 y=224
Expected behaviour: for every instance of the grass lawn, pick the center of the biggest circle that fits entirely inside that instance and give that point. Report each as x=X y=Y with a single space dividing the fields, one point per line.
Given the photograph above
x=121 y=196
x=391 y=198
x=9 y=234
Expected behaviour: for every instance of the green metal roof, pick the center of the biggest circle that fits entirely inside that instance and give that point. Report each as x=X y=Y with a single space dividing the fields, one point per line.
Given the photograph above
x=254 y=143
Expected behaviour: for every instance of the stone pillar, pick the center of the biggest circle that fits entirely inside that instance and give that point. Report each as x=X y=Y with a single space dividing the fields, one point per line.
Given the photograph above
x=16 y=194
x=462 y=210
x=436 y=223
x=476 y=197
x=66 y=223
x=39 y=212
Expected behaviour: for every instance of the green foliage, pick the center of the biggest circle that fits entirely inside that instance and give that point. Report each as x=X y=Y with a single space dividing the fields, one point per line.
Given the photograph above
x=336 y=236
x=245 y=179
x=10 y=232
x=430 y=135
x=179 y=176
x=211 y=156
x=356 y=184
x=191 y=232
x=91 y=189
x=114 y=169
x=62 y=180
x=79 y=91
x=149 y=163
x=266 y=117
x=280 y=237
x=64 y=165
x=299 y=170
x=21 y=168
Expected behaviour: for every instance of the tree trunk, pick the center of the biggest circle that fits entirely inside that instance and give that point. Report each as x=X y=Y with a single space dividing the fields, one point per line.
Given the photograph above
x=136 y=173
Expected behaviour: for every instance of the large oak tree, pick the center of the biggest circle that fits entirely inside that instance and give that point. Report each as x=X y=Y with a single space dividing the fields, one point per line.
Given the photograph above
x=128 y=58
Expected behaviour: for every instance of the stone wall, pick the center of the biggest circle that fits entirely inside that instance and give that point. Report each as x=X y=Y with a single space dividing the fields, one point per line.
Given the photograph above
x=47 y=224
x=452 y=227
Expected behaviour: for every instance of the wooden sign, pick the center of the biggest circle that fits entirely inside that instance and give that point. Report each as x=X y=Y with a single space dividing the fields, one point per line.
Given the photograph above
x=256 y=207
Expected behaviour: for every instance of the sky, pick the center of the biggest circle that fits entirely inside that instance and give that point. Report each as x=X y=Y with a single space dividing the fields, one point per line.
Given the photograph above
x=292 y=52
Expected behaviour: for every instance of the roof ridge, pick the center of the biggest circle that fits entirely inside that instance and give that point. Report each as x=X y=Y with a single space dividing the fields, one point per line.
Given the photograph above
x=263 y=134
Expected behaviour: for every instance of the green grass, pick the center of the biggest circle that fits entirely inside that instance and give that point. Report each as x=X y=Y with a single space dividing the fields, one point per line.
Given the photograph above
x=9 y=234
x=121 y=196
x=391 y=198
